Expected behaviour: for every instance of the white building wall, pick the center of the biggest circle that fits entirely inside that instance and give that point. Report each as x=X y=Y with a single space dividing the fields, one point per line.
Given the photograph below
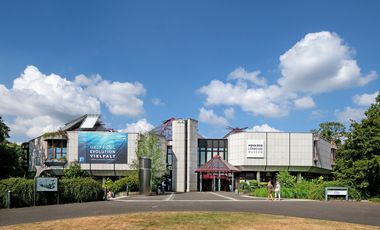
x=192 y=154
x=278 y=148
x=301 y=149
x=325 y=154
x=178 y=145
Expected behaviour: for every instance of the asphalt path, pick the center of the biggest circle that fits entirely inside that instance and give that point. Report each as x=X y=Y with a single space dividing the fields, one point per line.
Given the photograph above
x=344 y=211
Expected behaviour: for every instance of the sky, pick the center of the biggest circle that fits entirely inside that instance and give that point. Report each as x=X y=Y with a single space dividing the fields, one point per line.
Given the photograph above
x=265 y=65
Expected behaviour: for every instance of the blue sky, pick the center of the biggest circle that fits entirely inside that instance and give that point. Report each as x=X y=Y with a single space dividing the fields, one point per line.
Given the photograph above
x=265 y=65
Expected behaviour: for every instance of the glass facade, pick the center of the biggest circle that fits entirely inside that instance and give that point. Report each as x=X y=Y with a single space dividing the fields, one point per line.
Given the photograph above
x=207 y=148
x=57 y=149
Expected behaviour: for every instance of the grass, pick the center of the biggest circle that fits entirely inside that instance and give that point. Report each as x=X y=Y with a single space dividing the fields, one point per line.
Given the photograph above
x=190 y=220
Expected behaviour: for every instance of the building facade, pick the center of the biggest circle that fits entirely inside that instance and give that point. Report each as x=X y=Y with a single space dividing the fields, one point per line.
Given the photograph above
x=104 y=153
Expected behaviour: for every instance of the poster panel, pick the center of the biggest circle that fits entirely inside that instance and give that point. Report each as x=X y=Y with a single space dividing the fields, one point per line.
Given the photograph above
x=102 y=147
x=255 y=148
x=46 y=184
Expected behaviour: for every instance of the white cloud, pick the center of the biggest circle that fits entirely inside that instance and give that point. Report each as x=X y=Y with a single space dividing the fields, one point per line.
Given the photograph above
x=121 y=98
x=365 y=99
x=318 y=63
x=38 y=103
x=318 y=114
x=241 y=74
x=349 y=113
x=208 y=116
x=321 y=62
x=304 y=103
x=157 y=101
x=141 y=126
x=229 y=113
x=267 y=101
x=264 y=128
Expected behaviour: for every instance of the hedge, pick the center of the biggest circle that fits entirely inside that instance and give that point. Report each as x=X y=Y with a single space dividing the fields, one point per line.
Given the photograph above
x=70 y=190
x=131 y=180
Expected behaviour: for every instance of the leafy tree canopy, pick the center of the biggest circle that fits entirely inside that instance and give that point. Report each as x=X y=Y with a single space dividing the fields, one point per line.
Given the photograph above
x=331 y=131
x=358 y=161
x=75 y=171
x=149 y=146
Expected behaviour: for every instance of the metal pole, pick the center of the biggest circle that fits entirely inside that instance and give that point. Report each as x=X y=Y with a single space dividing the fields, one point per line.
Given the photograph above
x=233 y=182
x=219 y=181
x=200 y=184
x=34 y=193
x=9 y=199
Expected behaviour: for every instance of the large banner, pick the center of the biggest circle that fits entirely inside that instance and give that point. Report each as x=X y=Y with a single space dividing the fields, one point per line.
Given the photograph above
x=255 y=148
x=102 y=147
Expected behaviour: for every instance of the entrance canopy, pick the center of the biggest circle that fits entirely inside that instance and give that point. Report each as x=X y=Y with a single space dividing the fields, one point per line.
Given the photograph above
x=217 y=164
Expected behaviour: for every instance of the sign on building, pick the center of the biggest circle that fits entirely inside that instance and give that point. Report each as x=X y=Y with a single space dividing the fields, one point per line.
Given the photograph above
x=255 y=148
x=102 y=147
x=46 y=184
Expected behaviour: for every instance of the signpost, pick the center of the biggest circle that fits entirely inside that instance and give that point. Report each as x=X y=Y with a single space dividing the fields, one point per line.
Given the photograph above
x=46 y=184
x=336 y=191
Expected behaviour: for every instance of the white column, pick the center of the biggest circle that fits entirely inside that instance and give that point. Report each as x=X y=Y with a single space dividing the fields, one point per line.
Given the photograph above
x=219 y=181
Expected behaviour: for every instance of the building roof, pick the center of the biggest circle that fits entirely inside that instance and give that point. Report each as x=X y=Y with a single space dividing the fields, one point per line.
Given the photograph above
x=217 y=164
x=90 y=122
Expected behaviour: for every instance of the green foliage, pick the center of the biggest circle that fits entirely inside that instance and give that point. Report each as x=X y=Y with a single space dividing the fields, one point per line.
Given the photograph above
x=75 y=171
x=331 y=131
x=108 y=184
x=286 y=180
x=13 y=160
x=4 y=131
x=22 y=191
x=131 y=180
x=358 y=161
x=149 y=146
x=80 y=190
x=70 y=190
x=314 y=189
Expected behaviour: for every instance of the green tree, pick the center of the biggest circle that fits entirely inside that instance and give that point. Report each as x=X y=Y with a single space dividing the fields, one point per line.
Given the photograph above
x=4 y=131
x=358 y=160
x=331 y=131
x=75 y=171
x=149 y=146
x=13 y=161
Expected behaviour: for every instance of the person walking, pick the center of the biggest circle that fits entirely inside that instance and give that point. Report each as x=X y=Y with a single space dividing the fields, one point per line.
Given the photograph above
x=270 y=190
x=277 y=191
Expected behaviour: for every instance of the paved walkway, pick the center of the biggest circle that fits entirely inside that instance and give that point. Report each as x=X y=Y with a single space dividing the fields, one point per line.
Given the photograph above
x=352 y=212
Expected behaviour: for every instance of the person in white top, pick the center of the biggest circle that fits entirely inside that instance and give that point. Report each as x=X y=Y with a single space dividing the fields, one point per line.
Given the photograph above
x=277 y=191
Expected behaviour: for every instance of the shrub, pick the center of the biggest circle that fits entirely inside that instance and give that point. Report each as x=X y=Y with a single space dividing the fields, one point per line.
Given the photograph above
x=80 y=190
x=22 y=192
x=131 y=180
x=260 y=192
x=286 y=180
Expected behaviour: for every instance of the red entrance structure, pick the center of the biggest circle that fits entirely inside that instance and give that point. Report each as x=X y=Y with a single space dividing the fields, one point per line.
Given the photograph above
x=218 y=170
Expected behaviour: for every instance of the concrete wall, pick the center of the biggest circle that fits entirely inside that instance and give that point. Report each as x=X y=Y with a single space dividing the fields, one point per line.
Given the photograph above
x=184 y=142
x=192 y=149
x=178 y=145
x=37 y=153
x=282 y=151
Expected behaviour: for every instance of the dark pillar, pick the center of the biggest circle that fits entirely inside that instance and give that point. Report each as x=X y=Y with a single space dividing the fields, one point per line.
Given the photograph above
x=145 y=176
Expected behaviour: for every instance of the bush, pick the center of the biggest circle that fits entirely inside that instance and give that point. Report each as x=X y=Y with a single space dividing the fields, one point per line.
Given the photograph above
x=80 y=190
x=131 y=180
x=286 y=180
x=22 y=192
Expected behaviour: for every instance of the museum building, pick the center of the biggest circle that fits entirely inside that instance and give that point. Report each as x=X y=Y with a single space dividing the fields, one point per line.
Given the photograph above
x=194 y=163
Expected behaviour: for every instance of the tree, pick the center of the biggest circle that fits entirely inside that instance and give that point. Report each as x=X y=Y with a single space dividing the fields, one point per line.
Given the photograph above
x=358 y=160
x=12 y=156
x=149 y=146
x=331 y=131
x=74 y=171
